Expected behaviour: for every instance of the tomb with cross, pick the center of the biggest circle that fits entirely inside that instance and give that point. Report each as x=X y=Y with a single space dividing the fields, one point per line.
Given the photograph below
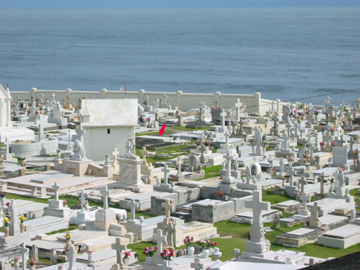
x=303 y=210
x=120 y=246
x=56 y=206
x=133 y=206
x=257 y=245
x=315 y=211
x=105 y=216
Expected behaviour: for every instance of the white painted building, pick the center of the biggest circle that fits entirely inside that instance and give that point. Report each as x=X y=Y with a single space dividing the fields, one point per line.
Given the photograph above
x=7 y=131
x=109 y=124
x=5 y=105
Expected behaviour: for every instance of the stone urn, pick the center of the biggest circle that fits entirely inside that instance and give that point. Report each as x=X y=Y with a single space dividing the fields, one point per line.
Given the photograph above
x=22 y=227
x=191 y=250
x=148 y=259
x=90 y=257
x=6 y=231
x=205 y=252
x=3 y=201
x=16 y=265
x=32 y=267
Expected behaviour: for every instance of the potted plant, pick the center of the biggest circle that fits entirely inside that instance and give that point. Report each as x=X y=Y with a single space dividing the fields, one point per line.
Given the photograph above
x=64 y=202
x=22 y=225
x=149 y=252
x=16 y=262
x=89 y=253
x=317 y=159
x=68 y=238
x=333 y=144
x=6 y=221
x=167 y=254
x=205 y=252
x=188 y=243
x=2 y=196
x=127 y=254
x=32 y=263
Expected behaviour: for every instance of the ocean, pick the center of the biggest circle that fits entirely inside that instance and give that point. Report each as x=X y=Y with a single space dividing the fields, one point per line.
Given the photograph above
x=303 y=54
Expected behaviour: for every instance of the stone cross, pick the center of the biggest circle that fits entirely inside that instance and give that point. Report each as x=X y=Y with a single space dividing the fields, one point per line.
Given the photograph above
x=120 y=246
x=80 y=133
x=129 y=147
x=159 y=241
x=56 y=189
x=14 y=224
x=286 y=139
x=105 y=193
x=216 y=103
x=302 y=182
x=52 y=97
x=197 y=265
x=303 y=199
x=133 y=205
x=82 y=200
x=166 y=171
x=168 y=206
x=114 y=154
x=7 y=145
x=223 y=114
x=143 y=153
x=238 y=105
x=227 y=135
x=322 y=178
x=315 y=211
x=257 y=205
x=179 y=166
x=292 y=172
x=23 y=255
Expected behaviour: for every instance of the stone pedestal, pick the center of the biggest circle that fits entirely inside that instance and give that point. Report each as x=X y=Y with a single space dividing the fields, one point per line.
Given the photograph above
x=315 y=224
x=226 y=187
x=77 y=168
x=103 y=219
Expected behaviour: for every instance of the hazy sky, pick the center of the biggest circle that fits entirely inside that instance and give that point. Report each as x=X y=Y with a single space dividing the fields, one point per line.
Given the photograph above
x=173 y=3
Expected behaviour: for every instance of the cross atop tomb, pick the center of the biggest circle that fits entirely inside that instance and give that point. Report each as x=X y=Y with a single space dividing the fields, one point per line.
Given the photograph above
x=257 y=205
x=166 y=171
x=197 y=265
x=159 y=241
x=223 y=114
x=82 y=200
x=227 y=135
x=129 y=147
x=105 y=194
x=291 y=172
x=315 y=210
x=23 y=250
x=120 y=246
x=80 y=133
x=303 y=199
x=168 y=206
x=286 y=139
x=133 y=205
x=143 y=153
x=302 y=183
x=238 y=105
x=216 y=103
x=179 y=160
x=56 y=189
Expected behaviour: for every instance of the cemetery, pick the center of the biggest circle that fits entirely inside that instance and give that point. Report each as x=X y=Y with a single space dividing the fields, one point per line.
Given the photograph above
x=89 y=181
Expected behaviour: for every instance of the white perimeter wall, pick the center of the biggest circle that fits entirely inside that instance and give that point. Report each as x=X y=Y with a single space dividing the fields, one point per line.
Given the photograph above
x=98 y=143
x=185 y=101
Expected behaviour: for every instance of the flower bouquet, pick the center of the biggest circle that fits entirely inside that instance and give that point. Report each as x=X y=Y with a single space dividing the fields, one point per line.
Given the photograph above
x=149 y=251
x=167 y=254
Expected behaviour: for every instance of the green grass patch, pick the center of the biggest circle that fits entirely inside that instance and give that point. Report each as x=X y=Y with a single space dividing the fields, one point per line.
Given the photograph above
x=139 y=248
x=190 y=128
x=72 y=201
x=298 y=146
x=270 y=148
x=274 y=198
x=11 y=196
x=239 y=235
x=213 y=171
x=141 y=213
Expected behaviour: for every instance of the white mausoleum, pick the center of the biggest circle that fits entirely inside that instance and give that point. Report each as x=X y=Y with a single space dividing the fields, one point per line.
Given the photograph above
x=109 y=124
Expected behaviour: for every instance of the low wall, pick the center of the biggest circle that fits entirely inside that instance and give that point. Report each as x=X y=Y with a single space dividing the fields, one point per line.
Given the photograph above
x=185 y=101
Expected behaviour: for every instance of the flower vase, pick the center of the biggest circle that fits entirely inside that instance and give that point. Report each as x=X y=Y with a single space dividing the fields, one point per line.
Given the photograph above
x=127 y=261
x=16 y=265
x=6 y=231
x=206 y=148
x=90 y=257
x=148 y=260
x=22 y=227
x=32 y=267
x=205 y=253
x=68 y=242
x=191 y=250
x=2 y=201
x=217 y=254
